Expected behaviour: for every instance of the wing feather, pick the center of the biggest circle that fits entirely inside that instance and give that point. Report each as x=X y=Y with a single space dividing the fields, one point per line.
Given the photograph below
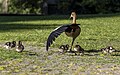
x=54 y=34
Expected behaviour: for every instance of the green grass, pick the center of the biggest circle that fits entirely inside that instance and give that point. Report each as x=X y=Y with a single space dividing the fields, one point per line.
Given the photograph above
x=7 y=55
x=98 y=31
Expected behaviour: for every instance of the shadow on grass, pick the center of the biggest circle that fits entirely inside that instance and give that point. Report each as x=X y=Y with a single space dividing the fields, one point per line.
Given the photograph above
x=14 y=18
x=29 y=53
x=7 y=27
x=94 y=52
x=117 y=53
x=98 y=15
x=32 y=18
x=5 y=19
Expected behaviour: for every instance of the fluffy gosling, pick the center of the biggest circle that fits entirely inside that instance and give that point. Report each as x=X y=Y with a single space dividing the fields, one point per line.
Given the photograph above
x=7 y=45
x=63 y=48
x=13 y=44
x=108 y=50
x=78 y=49
x=19 y=47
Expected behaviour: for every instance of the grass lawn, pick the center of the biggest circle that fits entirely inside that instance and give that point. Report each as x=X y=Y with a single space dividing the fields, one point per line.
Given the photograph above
x=98 y=31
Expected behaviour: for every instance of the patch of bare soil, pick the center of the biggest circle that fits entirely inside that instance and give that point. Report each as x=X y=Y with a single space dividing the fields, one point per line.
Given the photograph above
x=37 y=61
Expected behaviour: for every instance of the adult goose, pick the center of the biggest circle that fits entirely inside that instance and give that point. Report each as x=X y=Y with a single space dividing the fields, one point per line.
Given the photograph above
x=71 y=30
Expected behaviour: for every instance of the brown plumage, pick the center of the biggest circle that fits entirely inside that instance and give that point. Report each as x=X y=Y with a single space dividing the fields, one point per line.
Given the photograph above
x=71 y=30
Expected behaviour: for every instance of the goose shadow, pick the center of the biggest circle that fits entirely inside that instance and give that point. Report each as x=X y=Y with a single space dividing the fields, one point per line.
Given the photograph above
x=30 y=53
x=116 y=53
x=94 y=52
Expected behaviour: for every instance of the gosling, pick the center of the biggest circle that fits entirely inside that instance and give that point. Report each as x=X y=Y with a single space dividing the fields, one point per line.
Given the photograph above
x=7 y=45
x=13 y=44
x=19 y=47
x=108 y=50
x=78 y=49
x=64 y=48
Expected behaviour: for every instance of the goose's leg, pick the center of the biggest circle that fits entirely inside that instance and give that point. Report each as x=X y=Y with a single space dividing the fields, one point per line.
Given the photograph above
x=72 y=44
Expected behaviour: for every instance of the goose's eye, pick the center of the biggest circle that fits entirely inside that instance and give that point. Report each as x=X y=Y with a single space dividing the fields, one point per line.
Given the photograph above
x=72 y=14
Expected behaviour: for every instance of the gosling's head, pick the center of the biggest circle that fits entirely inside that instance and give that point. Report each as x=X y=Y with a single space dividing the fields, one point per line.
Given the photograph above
x=64 y=48
x=111 y=49
x=13 y=44
x=19 y=43
x=77 y=48
x=7 y=45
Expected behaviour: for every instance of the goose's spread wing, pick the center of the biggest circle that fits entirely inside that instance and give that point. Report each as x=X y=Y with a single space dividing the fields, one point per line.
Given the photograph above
x=54 y=34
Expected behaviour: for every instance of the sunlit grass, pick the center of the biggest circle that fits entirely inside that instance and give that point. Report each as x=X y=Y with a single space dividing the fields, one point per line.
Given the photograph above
x=96 y=33
x=8 y=55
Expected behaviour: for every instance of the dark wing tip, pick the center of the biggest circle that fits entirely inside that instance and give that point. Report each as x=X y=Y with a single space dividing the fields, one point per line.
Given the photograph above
x=54 y=34
x=47 y=48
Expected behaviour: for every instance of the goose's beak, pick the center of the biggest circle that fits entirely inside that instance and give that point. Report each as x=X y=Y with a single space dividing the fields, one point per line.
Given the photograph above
x=71 y=17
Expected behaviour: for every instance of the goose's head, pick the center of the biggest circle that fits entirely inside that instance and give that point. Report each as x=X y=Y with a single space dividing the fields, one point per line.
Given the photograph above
x=73 y=17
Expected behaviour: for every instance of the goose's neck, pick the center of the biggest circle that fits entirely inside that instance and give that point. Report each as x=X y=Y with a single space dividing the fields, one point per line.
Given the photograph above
x=74 y=20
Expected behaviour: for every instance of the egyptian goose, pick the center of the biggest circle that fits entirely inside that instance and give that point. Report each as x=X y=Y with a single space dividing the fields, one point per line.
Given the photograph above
x=71 y=30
